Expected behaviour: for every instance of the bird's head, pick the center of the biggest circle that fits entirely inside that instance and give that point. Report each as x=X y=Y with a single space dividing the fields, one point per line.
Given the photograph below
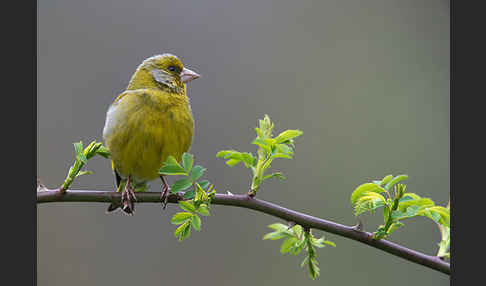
x=163 y=71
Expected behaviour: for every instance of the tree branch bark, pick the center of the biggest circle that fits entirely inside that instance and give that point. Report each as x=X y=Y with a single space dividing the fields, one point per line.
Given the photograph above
x=245 y=201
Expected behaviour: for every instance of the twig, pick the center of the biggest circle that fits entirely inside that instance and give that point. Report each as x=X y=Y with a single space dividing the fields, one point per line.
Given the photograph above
x=244 y=201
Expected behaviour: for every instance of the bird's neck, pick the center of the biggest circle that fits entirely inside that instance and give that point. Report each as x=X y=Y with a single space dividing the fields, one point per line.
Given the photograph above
x=142 y=79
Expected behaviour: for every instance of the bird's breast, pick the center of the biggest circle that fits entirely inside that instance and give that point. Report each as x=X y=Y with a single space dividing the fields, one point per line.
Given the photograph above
x=142 y=131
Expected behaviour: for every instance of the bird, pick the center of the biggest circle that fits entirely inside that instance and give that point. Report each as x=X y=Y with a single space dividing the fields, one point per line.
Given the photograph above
x=148 y=122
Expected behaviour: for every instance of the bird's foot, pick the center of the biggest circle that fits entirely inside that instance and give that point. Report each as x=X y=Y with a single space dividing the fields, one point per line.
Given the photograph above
x=127 y=197
x=164 y=198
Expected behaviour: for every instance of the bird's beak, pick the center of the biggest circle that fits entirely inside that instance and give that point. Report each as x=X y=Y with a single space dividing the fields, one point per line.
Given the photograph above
x=187 y=75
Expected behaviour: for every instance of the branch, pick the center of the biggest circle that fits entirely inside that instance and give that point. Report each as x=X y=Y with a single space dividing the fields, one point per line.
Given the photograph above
x=244 y=201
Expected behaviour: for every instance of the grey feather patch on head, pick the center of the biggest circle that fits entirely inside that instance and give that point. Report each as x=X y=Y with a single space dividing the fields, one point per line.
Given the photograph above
x=164 y=78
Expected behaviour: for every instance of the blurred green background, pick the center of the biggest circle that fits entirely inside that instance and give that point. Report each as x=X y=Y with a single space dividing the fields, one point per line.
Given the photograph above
x=367 y=82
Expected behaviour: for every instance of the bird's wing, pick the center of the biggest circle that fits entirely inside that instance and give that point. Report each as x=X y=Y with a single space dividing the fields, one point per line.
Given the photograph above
x=119 y=97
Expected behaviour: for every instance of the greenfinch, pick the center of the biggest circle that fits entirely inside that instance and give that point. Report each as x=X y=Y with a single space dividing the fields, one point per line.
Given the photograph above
x=149 y=121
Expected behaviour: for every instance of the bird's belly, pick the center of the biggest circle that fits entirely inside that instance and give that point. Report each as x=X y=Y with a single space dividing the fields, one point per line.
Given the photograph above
x=140 y=140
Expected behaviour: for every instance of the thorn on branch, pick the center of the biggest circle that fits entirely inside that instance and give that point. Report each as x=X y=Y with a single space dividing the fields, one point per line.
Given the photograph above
x=180 y=196
x=40 y=186
x=359 y=225
x=291 y=224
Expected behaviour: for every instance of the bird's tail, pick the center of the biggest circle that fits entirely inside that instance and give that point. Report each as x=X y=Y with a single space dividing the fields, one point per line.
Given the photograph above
x=118 y=186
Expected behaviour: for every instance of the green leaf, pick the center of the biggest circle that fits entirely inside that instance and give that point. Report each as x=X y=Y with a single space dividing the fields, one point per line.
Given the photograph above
x=179 y=232
x=197 y=172
x=330 y=243
x=432 y=215
x=372 y=196
x=270 y=141
x=226 y=153
x=297 y=229
x=275 y=235
x=305 y=261
x=277 y=175
x=171 y=161
x=314 y=270
x=367 y=205
x=180 y=217
x=235 y=157
x=180 y=185
x=395 y=180
x=361 y=189
x=287 y=244
x=232 y=162
x=78 y=148
x=405 y=198
x=281 y=155
x=187 y=161
x=412 y=210
x=283 y=148
x=83 y=158
x=444 y=214
x=221 y=153
x=196 y=223
x=88 y=148
x=394 y=226
x=83 y=173
x=369 y=201
x=203 y=210
x=172 y=170
x=248 y=159
x=185 y=205
x=396 y=215
x=103 y=151
x=266 y=126
x=414 y=199
x=204 y=184
x=185 y=232
x=411 y=196
x=386 y=180
x=189 y=194
x=259 y=132
x=287 y=135
x=263 y=144
x=278 y=226
x=91 y=149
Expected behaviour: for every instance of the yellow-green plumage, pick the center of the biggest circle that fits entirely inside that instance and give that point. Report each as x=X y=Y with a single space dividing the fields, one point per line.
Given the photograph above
x=151 y=120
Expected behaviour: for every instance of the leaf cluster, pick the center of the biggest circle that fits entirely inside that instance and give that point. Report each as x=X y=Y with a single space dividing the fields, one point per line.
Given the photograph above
x=269 y=148
x=445 y=242
x=398 y=204
x=197 y=196
x=189 y=218
x=295 y=240
x=82 y=157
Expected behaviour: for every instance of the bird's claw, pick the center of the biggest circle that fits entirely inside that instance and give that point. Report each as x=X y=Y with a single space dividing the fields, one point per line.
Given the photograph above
x=126 y=199
x=164 y=198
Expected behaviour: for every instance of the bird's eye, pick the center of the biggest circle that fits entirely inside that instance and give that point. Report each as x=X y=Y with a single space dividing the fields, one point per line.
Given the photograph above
x=171 y=68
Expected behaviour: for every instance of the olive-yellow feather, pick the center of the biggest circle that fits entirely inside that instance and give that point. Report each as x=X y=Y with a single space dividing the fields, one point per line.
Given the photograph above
x=151 y=120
